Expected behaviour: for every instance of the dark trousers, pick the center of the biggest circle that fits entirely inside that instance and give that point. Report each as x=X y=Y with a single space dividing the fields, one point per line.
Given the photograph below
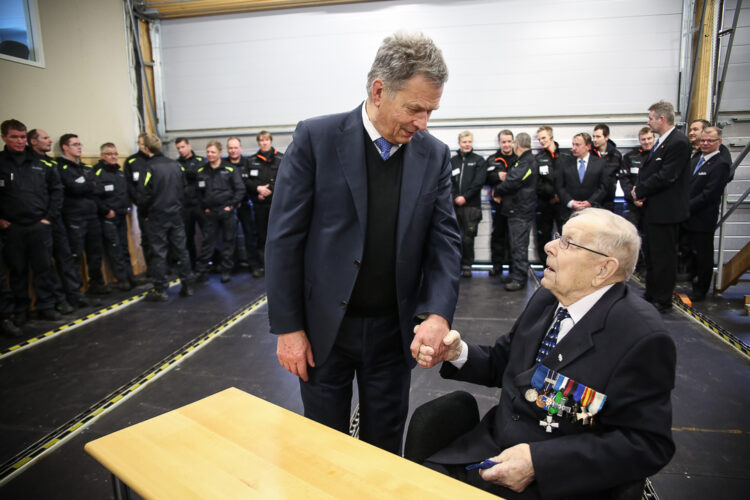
x=145 y=240
x=25 y=246
x=547 y=217
x=86 y=234
x=499 y=239
x=371 y=349
x=6 y=295
x=167 y=237
x=518 y=228
x=193 y=215
x=66 y=280
x=701 y=245
x=218 y=222
x=115 y=232
x=468 y=222
x=262 y=211
x=246 y=216
x=661 y=261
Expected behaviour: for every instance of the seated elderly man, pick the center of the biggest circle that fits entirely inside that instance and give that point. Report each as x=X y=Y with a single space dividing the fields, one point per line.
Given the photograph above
x=586 y=374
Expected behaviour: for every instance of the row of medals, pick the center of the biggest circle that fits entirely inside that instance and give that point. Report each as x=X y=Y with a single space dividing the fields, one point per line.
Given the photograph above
x=555 y=404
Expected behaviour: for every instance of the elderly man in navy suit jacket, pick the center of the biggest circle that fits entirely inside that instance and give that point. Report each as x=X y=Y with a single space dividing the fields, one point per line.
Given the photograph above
x=363 y=243
x=586 y=374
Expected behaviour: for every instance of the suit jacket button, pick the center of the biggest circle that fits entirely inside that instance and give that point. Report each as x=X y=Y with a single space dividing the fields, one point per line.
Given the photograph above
x=357 y=262
x=516 y=417
x=343 y=304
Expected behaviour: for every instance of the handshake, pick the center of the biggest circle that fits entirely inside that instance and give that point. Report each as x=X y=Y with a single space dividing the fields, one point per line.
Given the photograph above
x=434 y=343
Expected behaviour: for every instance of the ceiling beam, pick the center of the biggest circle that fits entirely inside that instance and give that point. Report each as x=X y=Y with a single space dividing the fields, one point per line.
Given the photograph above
x=174 y=9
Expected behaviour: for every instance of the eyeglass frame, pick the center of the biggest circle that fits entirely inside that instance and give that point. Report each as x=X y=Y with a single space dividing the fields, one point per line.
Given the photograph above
x=567 y=243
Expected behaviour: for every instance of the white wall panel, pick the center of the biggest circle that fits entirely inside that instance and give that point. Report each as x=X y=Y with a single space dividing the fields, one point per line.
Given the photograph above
x=506 y=58
x=736 y=96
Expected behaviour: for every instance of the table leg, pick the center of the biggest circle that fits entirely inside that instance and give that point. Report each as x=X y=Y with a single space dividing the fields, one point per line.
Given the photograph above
x=122 y=492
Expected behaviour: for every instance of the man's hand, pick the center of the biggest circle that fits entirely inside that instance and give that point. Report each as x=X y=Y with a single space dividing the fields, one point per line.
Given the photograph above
x=515 y=470
x=295 y=353
x=452 y=342
x=4 y=224
x=578 y=205
x=430 y=332
x=265 y=191
x=110 y=214
x=460 y=201
x=502 y=175
x=555 y=199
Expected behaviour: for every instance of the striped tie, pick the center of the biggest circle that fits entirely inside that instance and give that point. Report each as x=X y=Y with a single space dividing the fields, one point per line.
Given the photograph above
x=550 y=340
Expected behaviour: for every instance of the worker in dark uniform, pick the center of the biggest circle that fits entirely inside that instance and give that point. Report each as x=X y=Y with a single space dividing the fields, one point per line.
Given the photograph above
x=260 y=183
x=114 y=205
x=549 y=210
x=518 y=197
x=191 y=209
x=80 y=211
x=161 y=196
x=135 y=170
x=607 y=150
x=247 y=249
x=628 y=176
x=30 y=198
x=468 y=173
x=67 y=280
x=498 y=162
x=221 y=189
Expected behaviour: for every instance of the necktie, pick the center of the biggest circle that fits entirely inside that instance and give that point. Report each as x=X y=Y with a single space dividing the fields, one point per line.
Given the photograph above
x=656 y=145
x=581 y=169
x=384 y=146
x=699 y=165
x=550 y=340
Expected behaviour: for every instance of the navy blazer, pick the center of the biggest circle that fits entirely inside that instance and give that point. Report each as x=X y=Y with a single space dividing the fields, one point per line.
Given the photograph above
x=706 y=187
x=620 y=348
x=317 y=227
x=663 y=181
x=569 y=186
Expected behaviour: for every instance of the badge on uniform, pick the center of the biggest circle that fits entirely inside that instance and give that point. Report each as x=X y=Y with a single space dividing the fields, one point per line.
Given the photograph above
x=562 y=396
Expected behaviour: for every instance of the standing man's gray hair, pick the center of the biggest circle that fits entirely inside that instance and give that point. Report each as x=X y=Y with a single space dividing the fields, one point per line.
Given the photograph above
x=523 y=140
x=665 y=109
x=404 y=55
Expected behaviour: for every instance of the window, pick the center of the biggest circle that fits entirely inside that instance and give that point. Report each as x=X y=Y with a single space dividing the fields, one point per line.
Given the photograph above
x=20 y=35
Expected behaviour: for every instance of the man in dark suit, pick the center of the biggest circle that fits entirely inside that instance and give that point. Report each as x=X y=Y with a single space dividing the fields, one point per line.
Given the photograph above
x=586 y=374
x=710 y=175
x=580 y=180
x=362 y=240
x=661 y=190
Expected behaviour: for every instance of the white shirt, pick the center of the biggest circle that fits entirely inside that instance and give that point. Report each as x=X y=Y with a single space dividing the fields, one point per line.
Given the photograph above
x=663 y=138
x=576 y=310
x=373 y=132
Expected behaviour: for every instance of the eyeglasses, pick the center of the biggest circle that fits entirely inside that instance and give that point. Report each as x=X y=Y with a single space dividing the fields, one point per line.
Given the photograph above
x=565 y=243
x=709 y=140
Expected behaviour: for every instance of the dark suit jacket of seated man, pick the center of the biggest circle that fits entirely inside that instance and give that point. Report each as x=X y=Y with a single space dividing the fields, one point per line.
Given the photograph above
x=362 y=239
x=619 y=348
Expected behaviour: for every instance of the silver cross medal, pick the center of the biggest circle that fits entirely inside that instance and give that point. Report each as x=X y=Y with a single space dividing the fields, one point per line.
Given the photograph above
x=549 y=423
x=583 y=416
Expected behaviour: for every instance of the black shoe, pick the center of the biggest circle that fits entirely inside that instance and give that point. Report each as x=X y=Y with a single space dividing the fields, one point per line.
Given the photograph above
x=186 y=290
x=81 y=302
x=9 y=329
x=225 y=277
x=201 y=277
x=19 y=319
x=663 y=307
x=49 y=315
x=259 y=272
x=513 y=286
x=157 y=296
x=139 y=280
x=64 y=308
x=495 y=271
x=697 y=297
x=124 y=285
x=466 y=273
x=98 y=289
x=505 y=279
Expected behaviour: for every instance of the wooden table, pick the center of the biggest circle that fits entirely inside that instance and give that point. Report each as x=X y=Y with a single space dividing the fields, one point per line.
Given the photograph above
x=233 y=445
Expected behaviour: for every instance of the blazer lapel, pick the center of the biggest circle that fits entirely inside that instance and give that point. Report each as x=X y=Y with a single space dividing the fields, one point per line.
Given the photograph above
x=531 y=340
x=351 y=155
x=580 y=338
x=412 y=182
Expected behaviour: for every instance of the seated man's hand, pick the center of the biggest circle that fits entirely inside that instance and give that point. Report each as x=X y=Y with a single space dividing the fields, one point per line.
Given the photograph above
x=430 y=332
x=515 y=470
x=426 y=357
